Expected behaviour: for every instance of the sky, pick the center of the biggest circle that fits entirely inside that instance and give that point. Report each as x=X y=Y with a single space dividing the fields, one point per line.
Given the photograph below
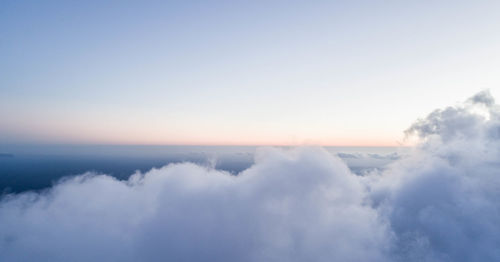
x=238 y=72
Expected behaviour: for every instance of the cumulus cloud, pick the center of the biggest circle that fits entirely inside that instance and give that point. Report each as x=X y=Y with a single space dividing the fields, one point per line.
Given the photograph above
x=442 y=201
x=290 y=206
x=439 y=203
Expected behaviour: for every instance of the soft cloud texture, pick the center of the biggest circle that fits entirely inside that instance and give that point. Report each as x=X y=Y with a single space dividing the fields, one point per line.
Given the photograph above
x=439 y=203
x=442 y=201
x=292 y=206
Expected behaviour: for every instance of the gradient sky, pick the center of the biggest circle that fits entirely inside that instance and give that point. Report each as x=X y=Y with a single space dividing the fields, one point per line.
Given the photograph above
x=238 y=72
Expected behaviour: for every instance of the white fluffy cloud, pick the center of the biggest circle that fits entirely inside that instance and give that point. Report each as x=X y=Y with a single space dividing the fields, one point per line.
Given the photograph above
x=440 y=203
x=290 y=206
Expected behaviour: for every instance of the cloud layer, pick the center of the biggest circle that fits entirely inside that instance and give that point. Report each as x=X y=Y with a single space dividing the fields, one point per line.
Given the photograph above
x=439 y=203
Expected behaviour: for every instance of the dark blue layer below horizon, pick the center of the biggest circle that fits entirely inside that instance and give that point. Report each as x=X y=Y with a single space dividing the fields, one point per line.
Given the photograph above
x=24 y=168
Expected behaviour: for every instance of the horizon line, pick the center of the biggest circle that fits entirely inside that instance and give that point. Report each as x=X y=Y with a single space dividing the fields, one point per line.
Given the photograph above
x=205 y=145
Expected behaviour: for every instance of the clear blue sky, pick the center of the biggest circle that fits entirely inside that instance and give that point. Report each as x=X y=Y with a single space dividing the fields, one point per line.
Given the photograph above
x=238 y=72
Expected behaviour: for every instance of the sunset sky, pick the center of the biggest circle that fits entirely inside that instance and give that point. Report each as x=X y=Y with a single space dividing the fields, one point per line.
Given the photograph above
x=219 y=73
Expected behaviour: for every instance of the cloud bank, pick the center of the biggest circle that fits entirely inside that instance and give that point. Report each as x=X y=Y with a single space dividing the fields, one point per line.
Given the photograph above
x=439 y=203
